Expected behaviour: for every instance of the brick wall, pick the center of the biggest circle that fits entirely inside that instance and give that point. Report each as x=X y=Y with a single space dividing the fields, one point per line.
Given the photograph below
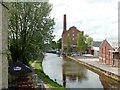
x=72 y=34
x=107 y=56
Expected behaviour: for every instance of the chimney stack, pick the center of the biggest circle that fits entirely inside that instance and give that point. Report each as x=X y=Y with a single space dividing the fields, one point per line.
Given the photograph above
x=64 y=23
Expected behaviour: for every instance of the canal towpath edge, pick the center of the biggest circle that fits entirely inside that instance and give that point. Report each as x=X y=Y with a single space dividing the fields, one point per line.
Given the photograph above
x=43 y=85
x=94 y=64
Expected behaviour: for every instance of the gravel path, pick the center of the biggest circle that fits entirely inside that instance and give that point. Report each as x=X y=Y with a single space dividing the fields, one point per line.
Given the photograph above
x=39 y=83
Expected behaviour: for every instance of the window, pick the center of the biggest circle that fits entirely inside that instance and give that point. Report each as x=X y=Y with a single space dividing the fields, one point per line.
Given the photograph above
x=102 y=50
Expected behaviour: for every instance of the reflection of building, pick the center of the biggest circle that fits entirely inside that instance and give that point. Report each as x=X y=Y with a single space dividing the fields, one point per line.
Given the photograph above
x=110 y=53
x=71 y=34
x=73 y=72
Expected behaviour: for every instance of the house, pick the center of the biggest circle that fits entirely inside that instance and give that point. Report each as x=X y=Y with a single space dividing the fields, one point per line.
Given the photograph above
x=93 y=48
x=71 y=33
x=110 y=53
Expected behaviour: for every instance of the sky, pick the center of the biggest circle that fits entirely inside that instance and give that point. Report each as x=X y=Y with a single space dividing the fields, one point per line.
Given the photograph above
x=97 y=18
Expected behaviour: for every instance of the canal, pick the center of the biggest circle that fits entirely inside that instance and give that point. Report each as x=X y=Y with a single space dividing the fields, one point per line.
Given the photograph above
x=74 y=75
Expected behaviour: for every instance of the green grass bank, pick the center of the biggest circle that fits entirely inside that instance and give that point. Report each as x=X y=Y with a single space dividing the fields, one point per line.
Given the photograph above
x=45 y=78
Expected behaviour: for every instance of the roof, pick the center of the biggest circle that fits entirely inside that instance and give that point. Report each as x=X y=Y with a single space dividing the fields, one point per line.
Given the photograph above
x=96 y=43
x=71 y=28
x=113 y=43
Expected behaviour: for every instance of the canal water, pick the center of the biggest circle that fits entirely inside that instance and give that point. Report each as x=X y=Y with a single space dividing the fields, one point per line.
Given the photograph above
x=74 y=75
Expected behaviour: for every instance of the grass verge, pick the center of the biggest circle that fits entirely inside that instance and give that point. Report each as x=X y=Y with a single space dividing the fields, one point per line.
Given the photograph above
x=52 y=84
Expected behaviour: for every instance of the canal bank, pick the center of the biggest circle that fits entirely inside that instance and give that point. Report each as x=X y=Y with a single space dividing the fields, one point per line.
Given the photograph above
x=43 y=80
x=96 y=66
x=71 y=74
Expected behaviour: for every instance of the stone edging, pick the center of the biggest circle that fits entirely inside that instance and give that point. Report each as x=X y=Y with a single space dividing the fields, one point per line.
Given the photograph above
x=97 y=69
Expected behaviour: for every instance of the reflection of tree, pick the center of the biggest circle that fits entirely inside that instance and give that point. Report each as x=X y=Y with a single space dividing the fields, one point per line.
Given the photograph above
x=109 y=83
x=73 y=71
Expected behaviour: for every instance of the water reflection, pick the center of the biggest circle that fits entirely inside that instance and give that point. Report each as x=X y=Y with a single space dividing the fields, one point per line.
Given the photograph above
x=78 y=76
x=73 y=75
x=73 y=72
x=109 y=83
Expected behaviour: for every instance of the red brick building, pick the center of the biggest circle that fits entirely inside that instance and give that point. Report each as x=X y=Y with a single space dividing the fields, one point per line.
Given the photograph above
x=93 y=48
x=71 y=34
x=110 y=53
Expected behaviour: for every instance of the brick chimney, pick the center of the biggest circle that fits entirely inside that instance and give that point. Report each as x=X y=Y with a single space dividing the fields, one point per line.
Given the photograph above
x=64 y=22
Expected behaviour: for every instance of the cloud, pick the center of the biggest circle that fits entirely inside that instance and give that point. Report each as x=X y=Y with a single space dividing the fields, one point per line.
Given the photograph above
x=94 y=17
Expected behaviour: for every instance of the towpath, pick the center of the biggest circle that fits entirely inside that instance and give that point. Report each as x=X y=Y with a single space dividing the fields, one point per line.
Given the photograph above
x=94 y=62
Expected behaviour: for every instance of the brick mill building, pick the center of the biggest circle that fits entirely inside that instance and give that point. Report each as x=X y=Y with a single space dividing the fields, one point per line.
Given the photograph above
x=110 y=53
x=71 y=33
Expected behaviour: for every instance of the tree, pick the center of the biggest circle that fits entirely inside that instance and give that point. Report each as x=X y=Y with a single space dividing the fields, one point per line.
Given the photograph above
x=68 y=46
x=89 y=40
x=30 y=28
x=59 y=43
x=81 y=43
x=53 y=44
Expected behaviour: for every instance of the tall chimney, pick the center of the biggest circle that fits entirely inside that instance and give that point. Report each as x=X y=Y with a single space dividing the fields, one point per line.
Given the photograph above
x=64 y=23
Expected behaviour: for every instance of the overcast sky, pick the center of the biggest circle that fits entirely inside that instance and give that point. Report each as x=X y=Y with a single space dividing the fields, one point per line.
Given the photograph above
x=97 y=18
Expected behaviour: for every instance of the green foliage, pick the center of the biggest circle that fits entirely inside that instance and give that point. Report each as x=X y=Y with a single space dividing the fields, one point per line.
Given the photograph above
x=30 y=28
x=81 y=42
x=30 y=62
x=69 y=47
x=59 y=43
x=89 y=40
x=44 y=77
x=53 y=45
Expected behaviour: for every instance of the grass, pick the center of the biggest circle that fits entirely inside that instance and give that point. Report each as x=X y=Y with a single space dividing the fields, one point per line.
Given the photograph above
x=30 y=62
x=38 y=66
x=52 y=84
